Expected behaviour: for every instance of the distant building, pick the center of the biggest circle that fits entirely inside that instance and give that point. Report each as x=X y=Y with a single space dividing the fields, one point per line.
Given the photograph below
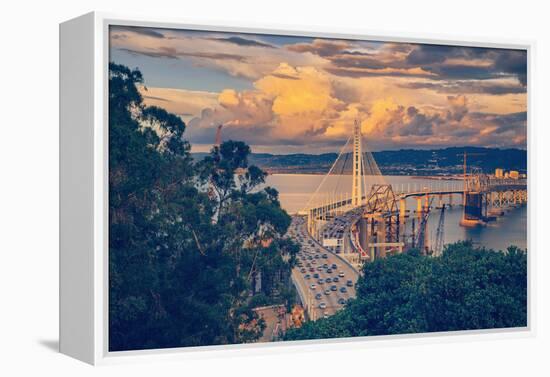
x=499 y=173
x=514 y=174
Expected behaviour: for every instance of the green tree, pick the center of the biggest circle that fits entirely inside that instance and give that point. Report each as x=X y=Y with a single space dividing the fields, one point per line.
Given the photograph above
x=181 y=260
x=466 y=288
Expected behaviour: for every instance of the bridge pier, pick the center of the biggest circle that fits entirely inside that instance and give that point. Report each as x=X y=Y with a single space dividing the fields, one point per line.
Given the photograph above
x=473 y=209
x=363 y=229
x=372 y=235
x=383 y=224
x=381 y=237
x=426 y=203
x=440 y=201
x=402 y=209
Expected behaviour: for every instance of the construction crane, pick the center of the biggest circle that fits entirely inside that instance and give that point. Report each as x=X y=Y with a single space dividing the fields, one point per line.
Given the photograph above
x=440 y=233
x=421 y=236
x=218 y=139
x=464 y=157
x=217 y=142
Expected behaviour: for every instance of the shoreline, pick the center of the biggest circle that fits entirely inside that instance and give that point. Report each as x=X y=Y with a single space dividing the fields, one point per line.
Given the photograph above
x=431 y=177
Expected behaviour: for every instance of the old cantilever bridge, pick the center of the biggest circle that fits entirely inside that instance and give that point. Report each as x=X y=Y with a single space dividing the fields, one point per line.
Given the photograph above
x=376 y=211
x=355 y=216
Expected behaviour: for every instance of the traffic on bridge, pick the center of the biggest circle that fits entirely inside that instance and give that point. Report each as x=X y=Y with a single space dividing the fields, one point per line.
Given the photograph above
x=339 y=232
x=324 y=281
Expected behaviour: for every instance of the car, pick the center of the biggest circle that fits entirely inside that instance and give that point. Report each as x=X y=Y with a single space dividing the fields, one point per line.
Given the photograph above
x=328 y=280
x=335 y=279
x=316 y=255
x=318 y=296
x=313 y=286
x=334 y=288
x=309 y=257
x=325 y=265
x=343 y=290
x=314 y=262
x=334 y=266
x=349 y=283
x=319 y=268
x=342 y=301
x=311 y=269
x=303 y=270
x=307 y=276
x=320 y=281
x=341 y=274
x=325 y=315
x=327 y=292
x=325 y=256
x=329 y=271
x=322 y=305
x=316 y=275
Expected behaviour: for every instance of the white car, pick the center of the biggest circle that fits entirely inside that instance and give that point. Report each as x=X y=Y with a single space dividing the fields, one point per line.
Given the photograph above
x=313 y=286
x=341 y=274
x=322 y=305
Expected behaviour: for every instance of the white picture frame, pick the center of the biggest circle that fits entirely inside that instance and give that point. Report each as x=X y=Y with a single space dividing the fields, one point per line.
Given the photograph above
x=84 y=45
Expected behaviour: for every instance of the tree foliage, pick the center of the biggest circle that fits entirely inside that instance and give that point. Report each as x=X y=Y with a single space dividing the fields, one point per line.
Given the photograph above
x=185 y=239
x=466 y=288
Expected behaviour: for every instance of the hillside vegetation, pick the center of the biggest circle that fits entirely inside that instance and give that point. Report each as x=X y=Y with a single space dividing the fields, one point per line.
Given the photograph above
x=466 y=288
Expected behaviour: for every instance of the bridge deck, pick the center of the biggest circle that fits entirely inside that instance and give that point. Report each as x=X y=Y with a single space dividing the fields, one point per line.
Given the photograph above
x=309 y=248
x=403 y=195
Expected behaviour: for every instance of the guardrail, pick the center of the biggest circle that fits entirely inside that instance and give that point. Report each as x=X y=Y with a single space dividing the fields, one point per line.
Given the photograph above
x=295 y=280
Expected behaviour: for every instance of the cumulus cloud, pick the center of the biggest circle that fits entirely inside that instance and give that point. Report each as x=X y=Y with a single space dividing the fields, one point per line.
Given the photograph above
x=438 y=62
x=493 y=87
x=185 y=103
x=309 y=94
x=146 y=31
x=302 y=105
x=237 y=55
x=289 y=104
x=239 y=41
x=322 y=47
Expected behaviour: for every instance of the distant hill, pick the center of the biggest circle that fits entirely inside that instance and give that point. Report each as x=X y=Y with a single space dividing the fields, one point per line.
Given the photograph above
x=399 y=162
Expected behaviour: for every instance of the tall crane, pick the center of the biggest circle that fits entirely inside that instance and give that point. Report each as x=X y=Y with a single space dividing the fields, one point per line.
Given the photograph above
x=423 y=223
x=465 y=166
x=440 y=233
x=218 y=139
x=217 y=142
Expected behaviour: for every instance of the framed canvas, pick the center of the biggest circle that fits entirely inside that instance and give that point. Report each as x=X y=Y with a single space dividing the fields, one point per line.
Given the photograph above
x=230 y=188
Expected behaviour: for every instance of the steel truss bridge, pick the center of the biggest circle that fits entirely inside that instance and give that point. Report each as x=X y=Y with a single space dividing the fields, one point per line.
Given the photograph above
x=378 y=226
x=355 y=216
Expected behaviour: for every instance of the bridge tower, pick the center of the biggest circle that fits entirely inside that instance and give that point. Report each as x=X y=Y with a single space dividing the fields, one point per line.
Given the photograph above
x=357 y=188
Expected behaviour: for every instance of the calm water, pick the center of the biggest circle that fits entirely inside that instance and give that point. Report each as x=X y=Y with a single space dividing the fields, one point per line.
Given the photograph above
x=296 y=189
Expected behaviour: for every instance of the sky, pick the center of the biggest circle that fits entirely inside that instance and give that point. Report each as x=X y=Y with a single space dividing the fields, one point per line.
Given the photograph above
x=302 y=95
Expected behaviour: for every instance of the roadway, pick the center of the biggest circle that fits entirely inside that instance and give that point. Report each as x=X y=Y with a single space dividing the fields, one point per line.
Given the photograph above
x=340 y=228
x=315 y=266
